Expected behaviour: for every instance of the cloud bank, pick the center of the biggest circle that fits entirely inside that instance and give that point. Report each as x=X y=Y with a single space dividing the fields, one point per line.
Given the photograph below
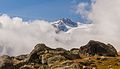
x=19 y=37
x=105 y=16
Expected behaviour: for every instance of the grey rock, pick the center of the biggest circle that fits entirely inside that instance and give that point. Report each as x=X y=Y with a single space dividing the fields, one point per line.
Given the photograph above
x=21 y=57
x=6 y=62
x=75 y=51
x=60 y=49
x=34 y=55
x=98 y=48
x=56 y=58
x=26 y=67
x=44 y=67
x=71 y=56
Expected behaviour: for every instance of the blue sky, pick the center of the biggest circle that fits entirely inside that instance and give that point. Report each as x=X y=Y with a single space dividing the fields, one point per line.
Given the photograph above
x=41 y=9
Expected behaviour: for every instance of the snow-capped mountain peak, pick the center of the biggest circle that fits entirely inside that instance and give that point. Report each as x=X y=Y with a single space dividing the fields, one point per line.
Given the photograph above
x=64 y=24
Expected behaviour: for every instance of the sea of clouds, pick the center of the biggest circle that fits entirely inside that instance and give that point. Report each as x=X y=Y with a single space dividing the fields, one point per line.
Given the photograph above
x=19 y=37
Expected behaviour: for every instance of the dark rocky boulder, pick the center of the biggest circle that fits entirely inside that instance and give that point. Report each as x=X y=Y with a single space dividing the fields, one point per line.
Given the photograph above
x=98 y=48
x=38 y=50
x=6 y=62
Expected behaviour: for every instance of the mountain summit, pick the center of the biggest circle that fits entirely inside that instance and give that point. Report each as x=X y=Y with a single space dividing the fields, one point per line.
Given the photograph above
x=64 y=24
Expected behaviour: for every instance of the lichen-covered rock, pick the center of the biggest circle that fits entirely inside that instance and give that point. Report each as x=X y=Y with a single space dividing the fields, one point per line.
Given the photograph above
x=27 y=67
x=71 y=56
x=75 y=66
x=45 y=57
x=44 y=67
x=21 y=57
x=6 y=62
x=18 y=64
x=96 y=47
x=34 y=55
x=51 y=53
x=67 y=65
x=55 y=59
x=75 y=51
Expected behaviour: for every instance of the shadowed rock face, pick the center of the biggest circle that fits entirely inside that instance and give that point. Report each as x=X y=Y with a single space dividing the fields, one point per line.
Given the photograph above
x=98 y=48
x=39 y=49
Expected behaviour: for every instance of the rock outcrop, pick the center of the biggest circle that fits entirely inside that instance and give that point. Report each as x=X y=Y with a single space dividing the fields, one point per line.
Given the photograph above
x=6 y=62
x=37 y=52
x=43 y=57
x=98 y=48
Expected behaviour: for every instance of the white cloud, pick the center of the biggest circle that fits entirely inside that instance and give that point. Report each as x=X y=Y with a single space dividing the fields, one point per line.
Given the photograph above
x=18 y=37
x=81 y=9
x=106 y=16
x=21 y=36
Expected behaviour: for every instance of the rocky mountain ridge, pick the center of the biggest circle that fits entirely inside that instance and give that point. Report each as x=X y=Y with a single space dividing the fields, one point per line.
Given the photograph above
x=94 y=55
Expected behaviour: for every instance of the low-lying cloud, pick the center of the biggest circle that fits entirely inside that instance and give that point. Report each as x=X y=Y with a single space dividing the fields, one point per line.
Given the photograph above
x=19 y=37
